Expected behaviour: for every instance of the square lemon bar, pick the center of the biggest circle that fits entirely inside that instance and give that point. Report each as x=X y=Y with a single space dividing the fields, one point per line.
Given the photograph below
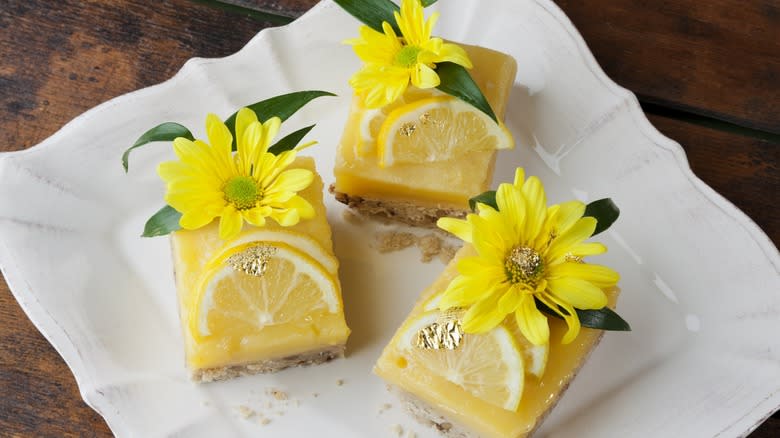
x=263 y=301
x=419 y=192
x=451 y=389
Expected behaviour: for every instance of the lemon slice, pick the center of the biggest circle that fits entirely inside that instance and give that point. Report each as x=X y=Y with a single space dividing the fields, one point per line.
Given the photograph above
x=437 y=129
x=489 y=366
x=534 y=356
x=298 y=241
x=231 y=302
x=371 y=120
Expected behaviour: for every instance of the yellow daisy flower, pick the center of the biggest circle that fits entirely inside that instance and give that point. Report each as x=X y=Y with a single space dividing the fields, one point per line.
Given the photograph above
x=210 y=181
x=528 y=252
x=391 y=62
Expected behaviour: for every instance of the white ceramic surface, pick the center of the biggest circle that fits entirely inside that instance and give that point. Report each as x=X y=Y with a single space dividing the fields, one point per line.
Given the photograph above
x=700 y=280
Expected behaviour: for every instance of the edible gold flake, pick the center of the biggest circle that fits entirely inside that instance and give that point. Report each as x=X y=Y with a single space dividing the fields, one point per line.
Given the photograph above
x=253 y=260
x=444 y=334
x=425 y=118
x=407 y=129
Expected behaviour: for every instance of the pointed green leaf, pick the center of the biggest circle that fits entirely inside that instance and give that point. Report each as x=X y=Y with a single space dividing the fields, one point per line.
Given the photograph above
x=456 y=81
x=372 y=12
x=289 y=142
x=605 y=211
x=602 y=319
x=427 y=3
x=282 y=106
x=163 y=222
x=168 y=131
x=487 y=198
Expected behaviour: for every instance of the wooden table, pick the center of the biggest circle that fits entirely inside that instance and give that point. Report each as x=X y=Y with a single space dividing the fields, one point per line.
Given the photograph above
x=707 y=73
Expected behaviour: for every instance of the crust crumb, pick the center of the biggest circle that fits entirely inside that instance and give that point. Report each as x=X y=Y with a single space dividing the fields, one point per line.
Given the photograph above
x=278 y=394
x=431 y=245
x=246 y=412
x=397 y=429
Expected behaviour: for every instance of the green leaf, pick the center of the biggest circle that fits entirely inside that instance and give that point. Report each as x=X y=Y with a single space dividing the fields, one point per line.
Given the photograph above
x=168 y=131
x=427 y=3
x=605 y=211
x=163 y=222
x=602 y=319
x=373 y=12
x=289 y=142
x=456 y=81
x=487 y=198
x=282 y=106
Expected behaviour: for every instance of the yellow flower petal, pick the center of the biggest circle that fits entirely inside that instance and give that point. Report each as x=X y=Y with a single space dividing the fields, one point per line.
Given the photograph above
x=424 y=77
x=292 y=180
x=220 y=139
x=192 y=220
x=454 y=53
x=286 y=217
x=459 y=227
x=519 y=177
x=512 y=206
x=483 y=316
x=568 y=314
x=302 y=206
x=536 y=207
x=581 y=230
x=531 y=322
x=464 y=291
x=475 y=266
x=568 y=214
x=256 y=216
x=600 y=276
x=230 y=223
x=578 y=293
x=489 y=244
x=510 y=301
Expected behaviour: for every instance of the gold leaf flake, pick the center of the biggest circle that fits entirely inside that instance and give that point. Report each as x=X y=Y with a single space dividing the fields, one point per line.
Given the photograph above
x=444 y=334
x=407 y=129
x=253 y=260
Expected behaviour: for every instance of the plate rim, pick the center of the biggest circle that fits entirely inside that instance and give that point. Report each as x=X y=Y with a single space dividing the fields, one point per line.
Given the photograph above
x=62 y=342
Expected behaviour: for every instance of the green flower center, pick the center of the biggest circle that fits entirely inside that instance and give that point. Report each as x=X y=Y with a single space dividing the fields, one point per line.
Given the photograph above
x=242 y=192
x=523 y=265
x=407 y=56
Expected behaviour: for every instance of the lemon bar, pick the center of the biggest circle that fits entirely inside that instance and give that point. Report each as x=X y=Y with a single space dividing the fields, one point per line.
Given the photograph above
x=439 y=388
x=265 y=300
x=418 y=192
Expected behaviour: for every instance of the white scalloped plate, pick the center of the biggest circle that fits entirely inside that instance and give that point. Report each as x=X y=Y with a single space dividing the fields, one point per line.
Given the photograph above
x=700 y=280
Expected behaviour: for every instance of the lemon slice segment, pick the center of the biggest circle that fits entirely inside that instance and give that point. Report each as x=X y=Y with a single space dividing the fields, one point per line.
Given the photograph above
x=371 y=120
x=298 y=241
x=534 y=356
x=233 y=303
x=489 y=366
x=437 y=129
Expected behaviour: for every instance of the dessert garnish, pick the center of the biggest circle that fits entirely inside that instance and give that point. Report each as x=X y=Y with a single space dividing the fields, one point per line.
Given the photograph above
x=397 y=49
x=531 y=263
x=238 y=176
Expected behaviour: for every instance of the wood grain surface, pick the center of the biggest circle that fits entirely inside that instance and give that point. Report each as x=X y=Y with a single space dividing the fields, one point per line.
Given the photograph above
x=60 y=61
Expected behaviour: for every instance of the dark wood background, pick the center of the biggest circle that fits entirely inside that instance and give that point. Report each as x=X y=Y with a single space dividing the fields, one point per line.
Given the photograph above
x=707 y=74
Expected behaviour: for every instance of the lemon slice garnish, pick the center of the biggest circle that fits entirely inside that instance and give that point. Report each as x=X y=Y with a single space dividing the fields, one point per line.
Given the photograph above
x=233 y=303
x=437 y=129
x=534 y=356
x=489 y=366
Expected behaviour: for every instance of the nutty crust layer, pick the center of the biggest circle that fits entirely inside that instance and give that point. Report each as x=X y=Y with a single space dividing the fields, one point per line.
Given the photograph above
x=268 y=366
x=401 y=211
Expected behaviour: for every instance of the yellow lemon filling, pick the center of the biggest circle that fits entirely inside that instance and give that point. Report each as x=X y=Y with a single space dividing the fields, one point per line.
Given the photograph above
x=443 y=179
x=230 y=317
